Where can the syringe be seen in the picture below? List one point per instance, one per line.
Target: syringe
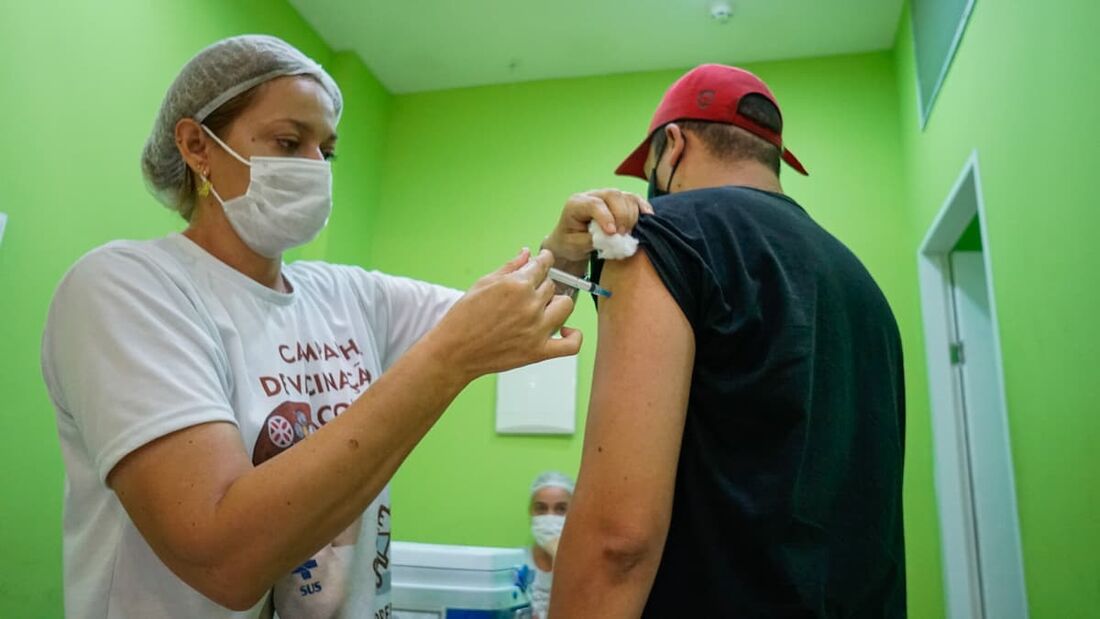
(579, 283)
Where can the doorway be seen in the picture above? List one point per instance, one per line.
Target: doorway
(975, 484)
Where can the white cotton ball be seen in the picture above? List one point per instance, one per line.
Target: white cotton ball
(611, 246)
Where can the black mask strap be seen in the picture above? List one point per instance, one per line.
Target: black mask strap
(654, 191)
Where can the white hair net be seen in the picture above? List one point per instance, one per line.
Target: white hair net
(552, 479)
(210, 79)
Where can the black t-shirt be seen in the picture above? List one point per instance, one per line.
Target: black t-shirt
(788, 492)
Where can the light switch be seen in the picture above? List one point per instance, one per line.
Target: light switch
(3, 221)
(538, 399)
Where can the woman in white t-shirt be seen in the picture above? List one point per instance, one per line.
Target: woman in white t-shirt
(551, 493)
(187, 372)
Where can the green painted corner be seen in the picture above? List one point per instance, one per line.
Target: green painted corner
(971, 239)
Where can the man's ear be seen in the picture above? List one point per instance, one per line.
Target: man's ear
(193, 145)
(675, 147)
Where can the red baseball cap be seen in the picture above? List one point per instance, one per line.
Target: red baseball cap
(709, 92)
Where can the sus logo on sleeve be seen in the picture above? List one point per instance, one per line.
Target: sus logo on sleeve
(289, 423)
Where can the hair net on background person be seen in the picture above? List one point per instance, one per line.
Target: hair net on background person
(210, 79)
(552, 479)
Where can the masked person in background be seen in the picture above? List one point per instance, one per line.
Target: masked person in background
(551, 493)
(230, 423)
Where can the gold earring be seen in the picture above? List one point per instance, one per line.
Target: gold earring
(204, 187)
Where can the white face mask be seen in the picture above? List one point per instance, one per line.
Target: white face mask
(287, 203)
(546, 528)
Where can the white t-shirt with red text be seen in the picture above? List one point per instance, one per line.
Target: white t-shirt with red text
(147, 338)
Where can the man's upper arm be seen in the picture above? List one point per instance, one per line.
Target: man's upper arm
(638, 406)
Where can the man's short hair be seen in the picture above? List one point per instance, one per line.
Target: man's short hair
(731, 143)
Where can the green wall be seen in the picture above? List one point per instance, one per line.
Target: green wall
(472, 174)
(1022, 91)
(81, 84)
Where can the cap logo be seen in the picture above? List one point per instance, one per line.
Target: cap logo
(705, 98)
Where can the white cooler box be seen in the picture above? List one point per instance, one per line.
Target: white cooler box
(433, 581)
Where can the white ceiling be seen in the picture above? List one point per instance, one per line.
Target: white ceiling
(418, 45)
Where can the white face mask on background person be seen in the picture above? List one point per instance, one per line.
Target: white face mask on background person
(287, 204)
(546, 529)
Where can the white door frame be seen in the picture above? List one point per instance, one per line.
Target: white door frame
(952, 456)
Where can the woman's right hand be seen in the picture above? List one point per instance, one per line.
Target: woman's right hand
(507, 320)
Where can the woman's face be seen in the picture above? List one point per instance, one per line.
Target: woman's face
(288, 117)
(550, 501)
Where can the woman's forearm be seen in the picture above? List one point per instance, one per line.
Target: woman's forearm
(276, 515)
(230, 529)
